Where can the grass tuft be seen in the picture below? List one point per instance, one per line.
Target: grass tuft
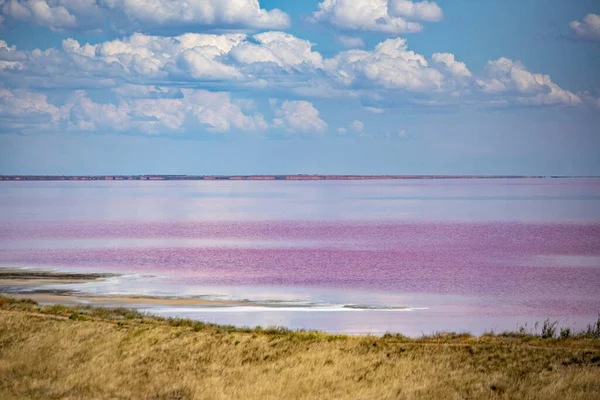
(565, 333)
(549, 329)
(593, 330)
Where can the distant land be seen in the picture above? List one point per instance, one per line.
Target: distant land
(262, 177)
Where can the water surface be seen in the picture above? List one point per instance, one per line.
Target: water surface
(408, 256)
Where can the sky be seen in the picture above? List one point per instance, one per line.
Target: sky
(300, 87)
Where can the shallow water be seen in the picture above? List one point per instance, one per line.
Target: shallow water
(464, 255)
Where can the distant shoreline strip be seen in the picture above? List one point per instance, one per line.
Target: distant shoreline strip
(268, 177)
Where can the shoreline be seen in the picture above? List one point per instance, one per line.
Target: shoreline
(30, 284)
(21, 284)
(121, 301)
(92, 312)
(299, 177)
(65, 287)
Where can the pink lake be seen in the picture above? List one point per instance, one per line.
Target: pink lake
(462, 255)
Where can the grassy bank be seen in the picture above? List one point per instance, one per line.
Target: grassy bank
(58, 352)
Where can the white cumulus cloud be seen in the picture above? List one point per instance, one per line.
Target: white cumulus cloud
(25, 106)
(148, 15)
(137, 110)
(512, 80)
(279, 64)
(357, 126)
(7, 58)
(456, 68)
(283, 49)
(147, 59)
(379, 16)
(57, 15)
(83, 114)
(391, 65)
(416, 11)
(219, 113)
(243, 13)
(299, 117)
(589, 29)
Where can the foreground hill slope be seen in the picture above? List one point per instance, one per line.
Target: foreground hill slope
(56, 352)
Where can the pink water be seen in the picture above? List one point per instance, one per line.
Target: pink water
(462, 255)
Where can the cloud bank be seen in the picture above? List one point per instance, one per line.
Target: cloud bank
(280, 63)
(145, 15)
(163, 83)
(151, 110)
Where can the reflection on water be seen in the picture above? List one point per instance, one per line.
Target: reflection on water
(453, 254)
(541, 200)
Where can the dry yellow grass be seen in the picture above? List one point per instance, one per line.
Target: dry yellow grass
(120, 355)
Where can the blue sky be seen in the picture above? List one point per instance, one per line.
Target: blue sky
(333, 86)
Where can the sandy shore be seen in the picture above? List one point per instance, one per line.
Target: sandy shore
(14, 279)
(121, 300)
(32, 284)
(31, 277)
(37, 285)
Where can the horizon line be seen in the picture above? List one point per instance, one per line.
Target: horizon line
(155, 177)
